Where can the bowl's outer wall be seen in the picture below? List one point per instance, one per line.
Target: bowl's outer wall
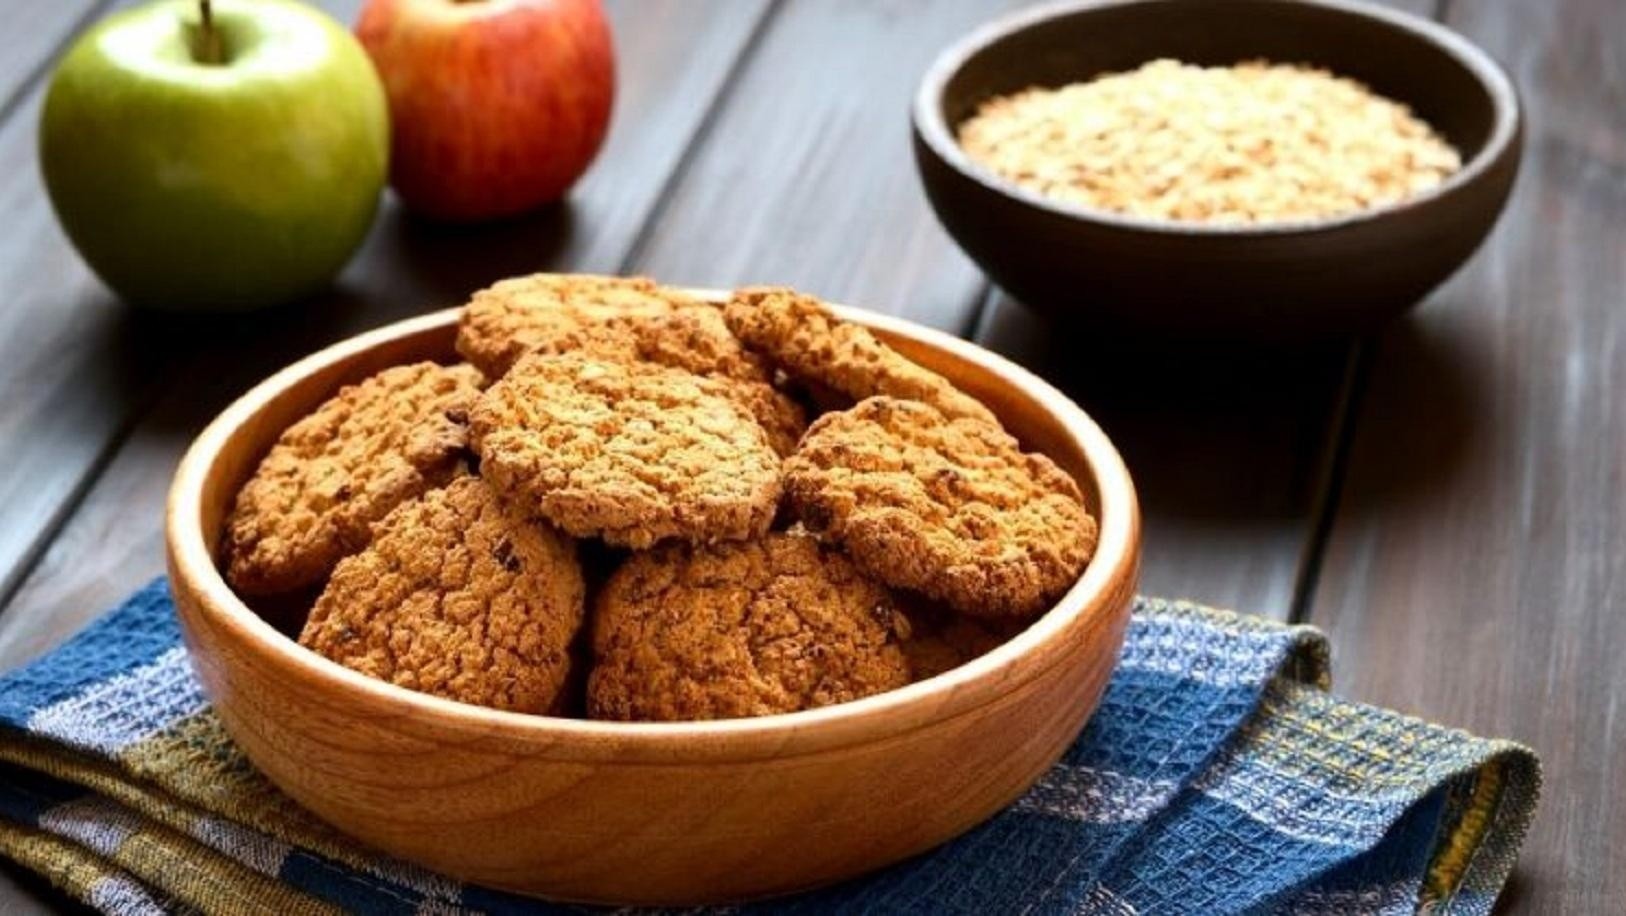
(1333, 279)
(510, 809)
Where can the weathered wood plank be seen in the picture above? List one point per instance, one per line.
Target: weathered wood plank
(1476, 567)
(806, 177)
(35, 31)
(74, 365)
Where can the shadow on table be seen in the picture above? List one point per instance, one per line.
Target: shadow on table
(1420, 422)
(170, 373)
(1514, 895)
(1215, 431)
(1208, 431)
(123, 358)
(440, 264)
(211, 359)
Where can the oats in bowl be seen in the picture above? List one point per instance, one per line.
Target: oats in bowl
(1251, 143)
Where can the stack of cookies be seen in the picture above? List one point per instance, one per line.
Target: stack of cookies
(622, 458)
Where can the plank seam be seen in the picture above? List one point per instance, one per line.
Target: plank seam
(982, 307)
(1329, 483)
(12, 582)
(26, 87)
(697, 137)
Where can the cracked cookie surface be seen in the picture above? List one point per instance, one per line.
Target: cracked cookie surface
(629, 318)
(800, 333)
(774, 625)
(557, 313)
(630, 452)
(459, 596)
(315, 496)
(698, 341)
(950, 508)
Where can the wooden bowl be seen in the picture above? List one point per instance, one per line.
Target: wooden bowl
(1278, 281)
(650, 813)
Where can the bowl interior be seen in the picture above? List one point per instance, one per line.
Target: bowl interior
(1026, 414)
(1044, 419)
(1397, 56)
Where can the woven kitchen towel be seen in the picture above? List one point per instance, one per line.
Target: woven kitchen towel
(1218, 776)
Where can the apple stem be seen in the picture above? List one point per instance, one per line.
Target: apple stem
(208, 50)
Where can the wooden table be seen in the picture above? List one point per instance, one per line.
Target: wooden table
(1447, 498)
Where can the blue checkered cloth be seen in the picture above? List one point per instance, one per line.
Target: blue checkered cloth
(1218, 776)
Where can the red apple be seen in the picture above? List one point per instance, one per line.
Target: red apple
(496, 106)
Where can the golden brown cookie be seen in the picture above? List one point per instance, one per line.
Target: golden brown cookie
(801, 334)
(749, 628)
(777, 413)
(330, 476)
(631, 452)
(459, 596)
(697, 340)
(953, 509)
(629, 318)
(557, 313)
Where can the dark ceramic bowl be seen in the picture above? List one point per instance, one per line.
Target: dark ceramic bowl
(1278, 280)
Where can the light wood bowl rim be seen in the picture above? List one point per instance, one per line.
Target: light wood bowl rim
(776, 737)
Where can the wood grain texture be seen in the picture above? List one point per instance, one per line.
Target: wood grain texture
(671, 813)
(674, 57)
(35, 31)
(805, 177)
(74, 364)
(1477, 568)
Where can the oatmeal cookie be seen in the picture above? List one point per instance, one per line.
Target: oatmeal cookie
(630, 318)
(331, 475)
(633, 453)
(557, 313)
(801, 334)
(741, 629)
(459, 596)
(953, 509)
(697, 340)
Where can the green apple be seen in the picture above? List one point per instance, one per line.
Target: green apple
(223, 158)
